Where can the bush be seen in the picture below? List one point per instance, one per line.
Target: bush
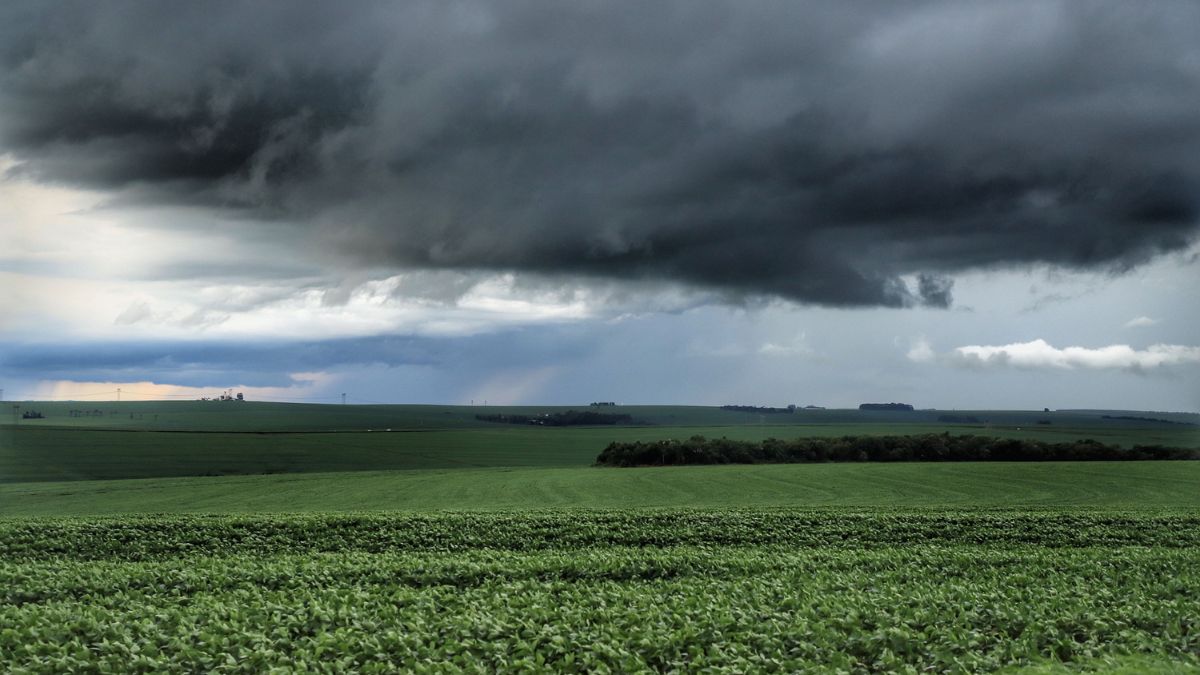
(916, 448)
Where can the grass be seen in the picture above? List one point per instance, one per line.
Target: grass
(51, 453)
(1061, 485)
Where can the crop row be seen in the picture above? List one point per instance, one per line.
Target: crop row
(149, 537)
(914, 608)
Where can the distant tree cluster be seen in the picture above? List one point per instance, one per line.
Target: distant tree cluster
(569, 418)
(1157, 420)
(917, 448)
(603, 404)
(885, 406)
(32, 415)
(759, 409)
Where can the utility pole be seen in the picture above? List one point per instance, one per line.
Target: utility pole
(15, 409)
(343, 398)
(118, 394)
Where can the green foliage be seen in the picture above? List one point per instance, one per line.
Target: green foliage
(740, 591)
(1117, 664)
(915, 448)
(152, 537)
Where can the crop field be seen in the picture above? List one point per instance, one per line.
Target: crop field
(312, 538)
(601, 591)
(90, 454)
(152, 440)
(1050, 485)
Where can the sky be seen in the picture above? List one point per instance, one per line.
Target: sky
(954, 205)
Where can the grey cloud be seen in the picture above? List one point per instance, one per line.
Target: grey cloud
(436, 287)
(935, 290)
(820, 152)
(228, 270)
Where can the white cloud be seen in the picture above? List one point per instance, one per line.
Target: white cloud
(921, 351)
(1039, 354)
(796, 347)
(1140, 322)
(138, 310)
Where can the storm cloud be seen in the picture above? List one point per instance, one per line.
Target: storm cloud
(819, 152)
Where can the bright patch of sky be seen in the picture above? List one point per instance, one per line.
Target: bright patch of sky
(103, 277)
(77, 273)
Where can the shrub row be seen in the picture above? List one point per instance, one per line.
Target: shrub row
(916, 448)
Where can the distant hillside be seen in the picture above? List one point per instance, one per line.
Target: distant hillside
(570, 418)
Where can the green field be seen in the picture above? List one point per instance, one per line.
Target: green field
(998, 485)
(258, 416)
(193, 438)
(602, 591)
(180, 537)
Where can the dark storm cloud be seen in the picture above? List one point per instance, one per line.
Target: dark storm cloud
(820, 152)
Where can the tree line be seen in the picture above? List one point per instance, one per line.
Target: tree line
(917, 448)
(759, 409)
